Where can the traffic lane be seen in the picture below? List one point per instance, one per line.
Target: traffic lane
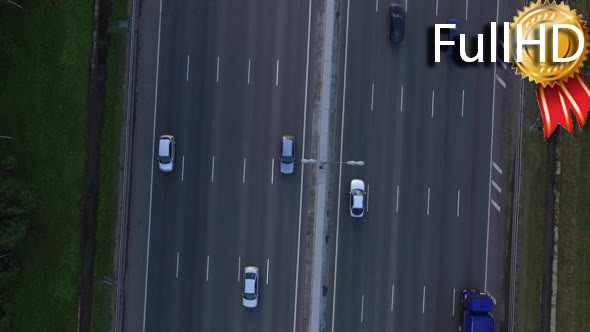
(508, 109)
(280, 90)
(476, 261)
(142, 156)
(247, 167)
(347, 294)
(502, 191)
(197, 130)
(166, 198)
(356, 105)
(219, 236)
(172, 115)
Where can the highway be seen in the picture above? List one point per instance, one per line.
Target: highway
(438, 141)
(227, 78)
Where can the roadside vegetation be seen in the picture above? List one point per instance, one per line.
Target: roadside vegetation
(573, 288)
(45, 51)
(573, 185)
(43, 105)
(109, 166)
(531, 223)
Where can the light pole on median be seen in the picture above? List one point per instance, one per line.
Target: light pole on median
(322, 163)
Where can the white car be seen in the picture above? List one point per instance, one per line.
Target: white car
(357, 198)
(250, 294)
(166, 147)
(287, 157)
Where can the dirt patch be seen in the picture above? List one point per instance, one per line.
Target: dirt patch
(96, 105)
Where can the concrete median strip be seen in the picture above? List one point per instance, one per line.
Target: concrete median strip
(321, 150)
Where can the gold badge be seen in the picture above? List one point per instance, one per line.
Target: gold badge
(550, 14)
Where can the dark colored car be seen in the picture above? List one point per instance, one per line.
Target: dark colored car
(287, 157)
(398, 22)
(454, 35)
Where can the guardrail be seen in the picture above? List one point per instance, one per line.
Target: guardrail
(126, 176)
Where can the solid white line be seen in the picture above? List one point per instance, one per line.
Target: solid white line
(428, 203)
(397, 199)
(267, 268)
(466, 8)
(436, 8)
(147, 255)
(244, 172)
(392, 295)
(401, 101)
(368, 192)
(496, 186)
(177, 263)
(462, 101)
(501, 81)
(458, 201)
(239, 267)
(362, 306)
(182, 173)
(432, 106)
(453, 302)
(188, 65)
(207, 275)
(340, 165)
(485, 283)
(372, 94)
(277, 78)
(496, 167)
(212, 168)
(217, 69)
(272, 171)
(302, 169)
(423, 298)
(496, 206)
(248, 71)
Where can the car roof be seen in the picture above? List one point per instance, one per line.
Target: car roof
(164, 146)
(357, 201)
(250, 286)
(287, 146)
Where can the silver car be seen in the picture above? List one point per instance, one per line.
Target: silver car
(357, 198)
(166, 147)
(287, 157)
(250, 294)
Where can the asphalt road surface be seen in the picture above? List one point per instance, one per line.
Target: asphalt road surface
(227, 78)
(438, 141)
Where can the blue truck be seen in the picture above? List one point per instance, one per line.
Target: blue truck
(477, 312)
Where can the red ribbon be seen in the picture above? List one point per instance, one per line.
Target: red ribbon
(556, 102)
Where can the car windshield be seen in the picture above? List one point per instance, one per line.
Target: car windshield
(165, 159)
(287, 159)
(357, 211)
(248, 296)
